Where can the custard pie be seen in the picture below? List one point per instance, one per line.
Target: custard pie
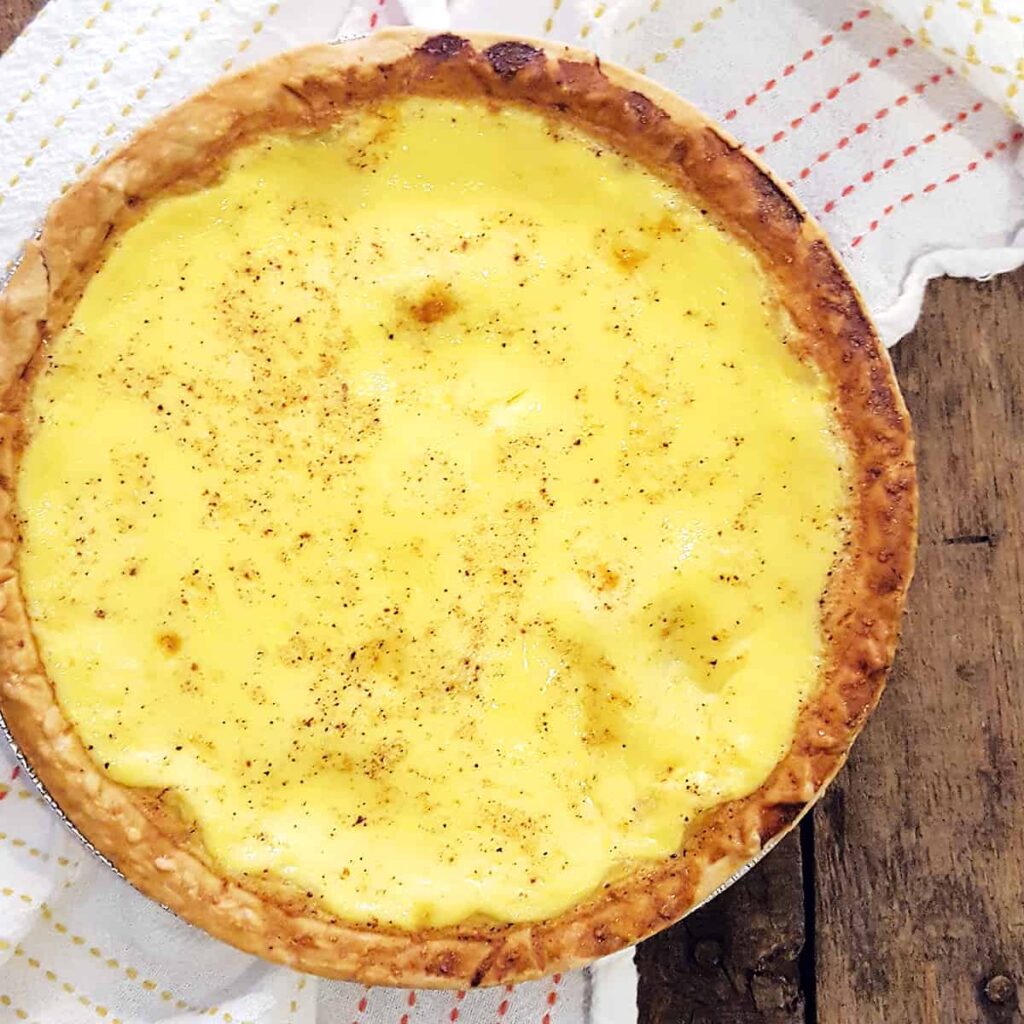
(457, 512)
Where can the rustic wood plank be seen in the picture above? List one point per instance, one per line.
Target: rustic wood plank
(14, 16)
(736, 961)
(920, 843)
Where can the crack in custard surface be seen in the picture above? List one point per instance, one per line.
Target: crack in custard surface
(435, 507)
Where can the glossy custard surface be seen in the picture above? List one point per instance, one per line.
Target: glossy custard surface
(434, 506)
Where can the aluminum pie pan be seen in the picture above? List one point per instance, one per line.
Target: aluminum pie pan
(44, 793)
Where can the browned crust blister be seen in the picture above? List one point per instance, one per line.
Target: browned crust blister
(308, 89)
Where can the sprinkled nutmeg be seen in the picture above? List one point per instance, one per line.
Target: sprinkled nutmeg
(453, 535)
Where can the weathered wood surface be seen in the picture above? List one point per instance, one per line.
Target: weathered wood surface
(920, 844)
(914, 862)
(739, 959)
(14, 16)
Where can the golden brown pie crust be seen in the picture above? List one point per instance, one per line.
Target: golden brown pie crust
(303, 91)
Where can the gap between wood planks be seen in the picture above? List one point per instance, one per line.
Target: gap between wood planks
(807, 962)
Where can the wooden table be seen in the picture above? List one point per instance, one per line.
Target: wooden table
(901, 899)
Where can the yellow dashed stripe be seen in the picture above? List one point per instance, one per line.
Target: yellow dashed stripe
(73, 43)
(246, 42)
(696, 27)
(14, 894)
(549, 22)
(131, 973)
(22, 844)
(18, 791)
(19, 1014)
(94, 82)
(969, 57)
(105, 69)
(293, 1006)
(988, 9)
(65, 986)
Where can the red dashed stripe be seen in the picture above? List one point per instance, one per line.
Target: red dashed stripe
(552, 998)
(891, 52)
(998, 147)
(908, 151)
(504, 1004)
(788, 70)
(459, 996)
(411, 1000)
(361, 1007)
(879, 115)
(375, 17)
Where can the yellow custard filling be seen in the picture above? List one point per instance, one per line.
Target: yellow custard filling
(435, 507)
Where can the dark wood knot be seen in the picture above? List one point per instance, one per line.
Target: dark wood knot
(1000, 989)
(707, 952)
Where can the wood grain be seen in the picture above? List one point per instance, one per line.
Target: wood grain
(14, 16)
(920, 844)
(736, 961)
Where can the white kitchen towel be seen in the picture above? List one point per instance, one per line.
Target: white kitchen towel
(911, 171)
(982, 39)
(79, 946)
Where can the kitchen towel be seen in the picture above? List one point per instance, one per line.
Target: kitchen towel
(982, 39)
(911, 171)
(78, 945)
